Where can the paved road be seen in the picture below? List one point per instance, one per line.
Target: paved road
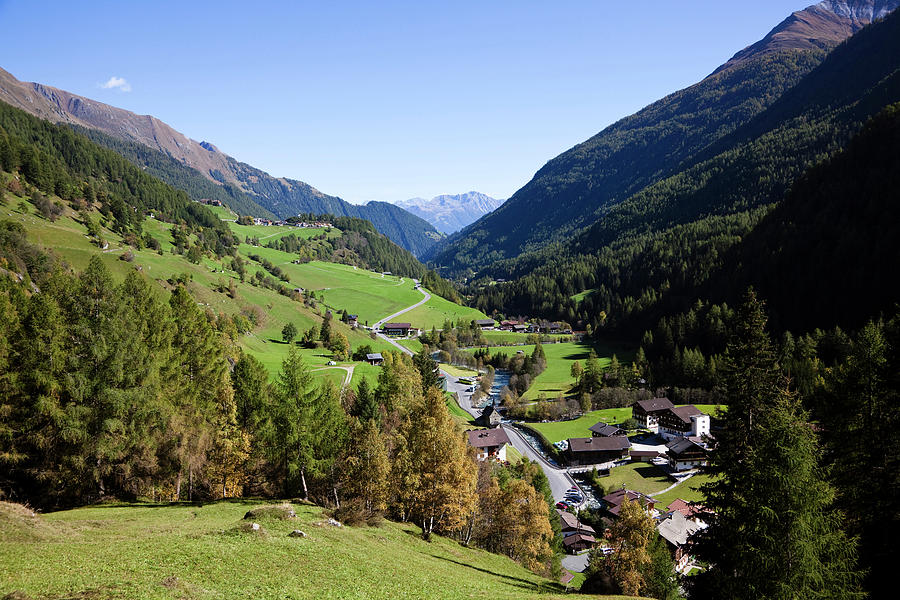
(576, 563)
(560, 480)
(407, 309)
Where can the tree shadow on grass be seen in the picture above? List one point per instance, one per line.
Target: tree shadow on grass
(516, 581)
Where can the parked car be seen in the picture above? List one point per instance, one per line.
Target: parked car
(562, 505)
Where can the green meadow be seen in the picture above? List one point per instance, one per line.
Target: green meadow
(169, 551)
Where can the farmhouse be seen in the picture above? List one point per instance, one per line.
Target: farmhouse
(570, 525)
(352, 320)
(489, 417)
(615, 499)
(601, 429)
(375, 359)
(489, 443)
(520, 328)
(596, 450)
(690, 511)
(579, 542)
(401, 329)
(646, 412)
(683, 421)
(643, 455)
(684, 454)
(676, 529)
(486, 323)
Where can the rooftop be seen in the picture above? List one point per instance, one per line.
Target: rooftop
(488, 438)
(396, 326)
(654, 404)
(686, 412)
(602, 444)
(605, 430)
(376, 356)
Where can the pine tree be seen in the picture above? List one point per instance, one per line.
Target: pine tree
(660, 578)
(289, 435)
(366, 407)
(288, 333)
(427, 368)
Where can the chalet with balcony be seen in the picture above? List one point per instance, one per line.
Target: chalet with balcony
(647, 412)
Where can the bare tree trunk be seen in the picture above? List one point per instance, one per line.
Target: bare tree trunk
(191, 485)
(337, 500)
(303, 480)
(178, 487)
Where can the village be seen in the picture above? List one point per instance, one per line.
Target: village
(673, 440)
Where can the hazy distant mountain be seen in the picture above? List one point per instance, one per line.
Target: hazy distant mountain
(449, 213)
(245, 185)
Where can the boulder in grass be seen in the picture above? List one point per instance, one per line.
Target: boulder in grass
(297, 533)
(273, 511)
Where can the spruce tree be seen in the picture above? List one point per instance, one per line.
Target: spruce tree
(772, 530)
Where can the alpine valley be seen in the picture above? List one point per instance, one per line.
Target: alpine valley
(667, 367)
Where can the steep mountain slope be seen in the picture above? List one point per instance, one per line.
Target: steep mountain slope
(279, 196)
(829, 240)
(579, 186)
(823, 25)
(654, 253)
(450, 213)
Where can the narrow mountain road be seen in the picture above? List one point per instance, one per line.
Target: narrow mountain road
(405, 310)
(347, 377)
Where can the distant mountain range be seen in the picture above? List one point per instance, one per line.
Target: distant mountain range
(243, 187)
(578, 188)
(450, 213)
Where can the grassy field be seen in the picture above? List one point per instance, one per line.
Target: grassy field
(412, 344)
(640, 477)
(580, 427)
(66, 237)
(580, 295)
(689, 491)
(556, 378)
(562, 430)
(208, 551)
(500, 338)
(437, 310)
(458, 371)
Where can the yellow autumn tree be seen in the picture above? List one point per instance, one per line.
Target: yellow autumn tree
(629, 539)
(367, 470)
(433, 466)
(514, 520)
(230, 449)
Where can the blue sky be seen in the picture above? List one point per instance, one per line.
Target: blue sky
(386, 100)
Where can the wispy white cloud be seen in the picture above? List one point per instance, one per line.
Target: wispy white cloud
(117, 83)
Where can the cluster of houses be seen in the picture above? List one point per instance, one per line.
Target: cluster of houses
(303, 224)
(685, 428)
(520, 326)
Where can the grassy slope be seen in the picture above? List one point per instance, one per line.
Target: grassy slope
(354, 289)
(640, 477)
(688, 491)
(195, 551)
(561, 430)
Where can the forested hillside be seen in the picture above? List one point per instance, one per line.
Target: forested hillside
(178, 175)
(574, 189)
(651, 254)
